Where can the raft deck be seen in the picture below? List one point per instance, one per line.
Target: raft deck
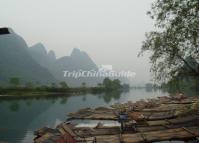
(162, 119)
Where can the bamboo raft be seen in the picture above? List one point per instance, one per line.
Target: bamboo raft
(162, 119)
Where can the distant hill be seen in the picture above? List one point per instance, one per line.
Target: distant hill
(15, 60)
(36, 64)
(78, 60)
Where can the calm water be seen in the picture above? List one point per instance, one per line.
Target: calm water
(19, 118)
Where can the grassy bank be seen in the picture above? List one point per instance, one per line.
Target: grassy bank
(45, 91)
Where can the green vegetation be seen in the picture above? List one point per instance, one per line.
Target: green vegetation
(63, 84)
(29, 89)
(115, 84)
(14, 81)
(186, 85)
(83, 84)
(29, 85)
(175, 43)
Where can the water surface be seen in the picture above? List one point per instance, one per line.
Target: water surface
(19, 118)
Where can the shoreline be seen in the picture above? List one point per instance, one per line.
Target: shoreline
(19, 92)
(173, 117)
(23, 94)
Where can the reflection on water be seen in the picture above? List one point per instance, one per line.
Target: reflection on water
(19, 118)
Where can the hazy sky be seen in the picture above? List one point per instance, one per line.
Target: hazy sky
(110, 31)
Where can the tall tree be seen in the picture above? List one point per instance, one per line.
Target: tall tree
(107, 83)
(176, 38)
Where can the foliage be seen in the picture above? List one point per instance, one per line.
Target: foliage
(83, 84)
(176, 38)
(116, 84)
(111, 84)
(53, 85)
(63, 84)
(15, 81)
(29, 85)
(99, 85)
(125, 86)
(45, 90)
(107, 83)
(186, 85)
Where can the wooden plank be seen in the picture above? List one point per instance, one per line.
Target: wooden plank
(178, 102)
(189, 131)
(97, 132)
(101, 113)
(170, 134)
(194, 130)
(96, 116)
(150, 128)
(160, 117)
(108, 139)
(157, 123)
(183, 119)
(155, 110)
(133, 138)
(179, 120)
(43, 138)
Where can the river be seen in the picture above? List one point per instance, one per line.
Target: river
(19, 118)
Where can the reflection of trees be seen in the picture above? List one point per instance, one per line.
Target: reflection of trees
(16, 119)
(63, 100)
(53, 100)
(14, 107)
(183, 84)
(149, 89)
(108, 96)
(84, 97)
(29, 102)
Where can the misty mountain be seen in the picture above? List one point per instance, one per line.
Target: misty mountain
(15, 60)
(39, 54)
(36, 64)
(77, 60)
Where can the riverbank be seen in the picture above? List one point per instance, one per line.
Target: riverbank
(164, 118)
(47, 91)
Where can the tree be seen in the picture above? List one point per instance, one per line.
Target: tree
(53, 85)
(111, 84)
(29, 85)
(176, 38)
(116, 84)
(63, 84)
(83, 84)
(15, 81)
(125, 86)
(99, 85)
(107, 83)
